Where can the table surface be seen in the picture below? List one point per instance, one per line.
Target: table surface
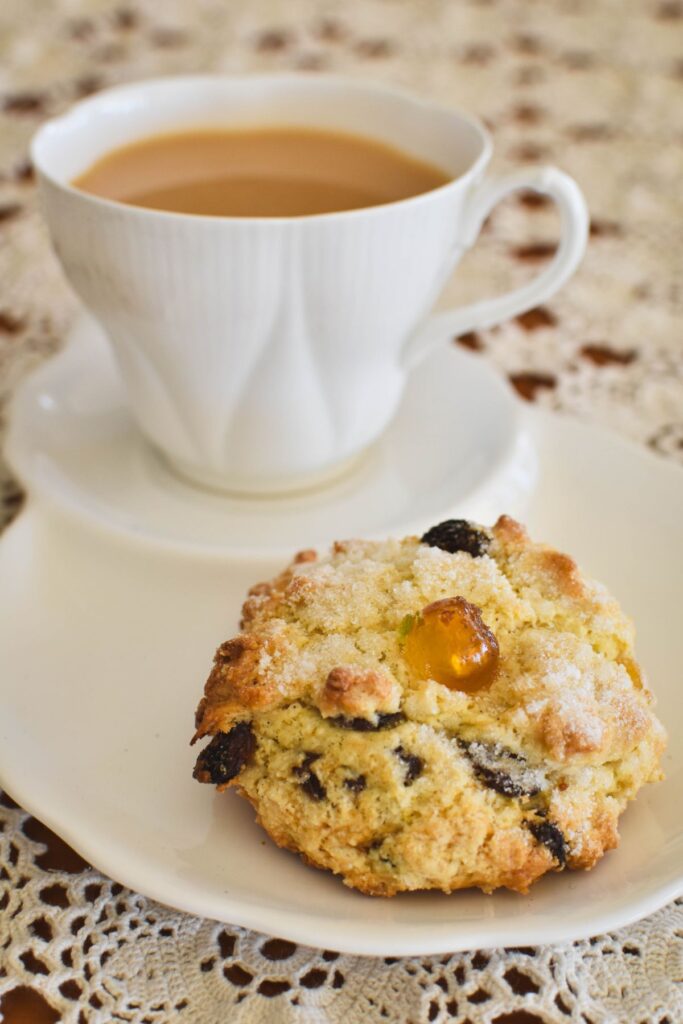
(595, 86)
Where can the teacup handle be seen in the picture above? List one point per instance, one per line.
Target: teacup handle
(548, 181)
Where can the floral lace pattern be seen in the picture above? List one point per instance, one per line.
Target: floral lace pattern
(99, 952)
(595, 86)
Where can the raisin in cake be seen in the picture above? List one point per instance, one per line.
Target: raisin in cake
(459, 710)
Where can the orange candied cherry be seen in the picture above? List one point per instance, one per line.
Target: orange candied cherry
(449, 642)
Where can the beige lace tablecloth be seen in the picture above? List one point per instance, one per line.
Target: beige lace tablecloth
(593, 85)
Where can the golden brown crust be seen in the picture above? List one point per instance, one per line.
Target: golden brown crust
(234, 686)
(264, 596)
(564, 736)
(308, 555)
(562, 571)
(509, 531)
(299, 590)
(369, 768)
(350, 691)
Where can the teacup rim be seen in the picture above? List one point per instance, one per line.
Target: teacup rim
(54, 124)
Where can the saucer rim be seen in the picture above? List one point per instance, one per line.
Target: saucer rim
(64, 498)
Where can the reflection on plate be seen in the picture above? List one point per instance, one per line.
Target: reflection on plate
(104, 646)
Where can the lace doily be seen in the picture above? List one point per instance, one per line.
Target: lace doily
(595, 86)
(95, 949)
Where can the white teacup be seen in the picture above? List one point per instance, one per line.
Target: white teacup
(262, 354)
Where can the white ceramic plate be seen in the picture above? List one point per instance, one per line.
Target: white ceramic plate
(456, 442)
(104, 647)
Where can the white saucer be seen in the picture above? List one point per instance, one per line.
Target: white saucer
(457, 445)
(104, 648)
